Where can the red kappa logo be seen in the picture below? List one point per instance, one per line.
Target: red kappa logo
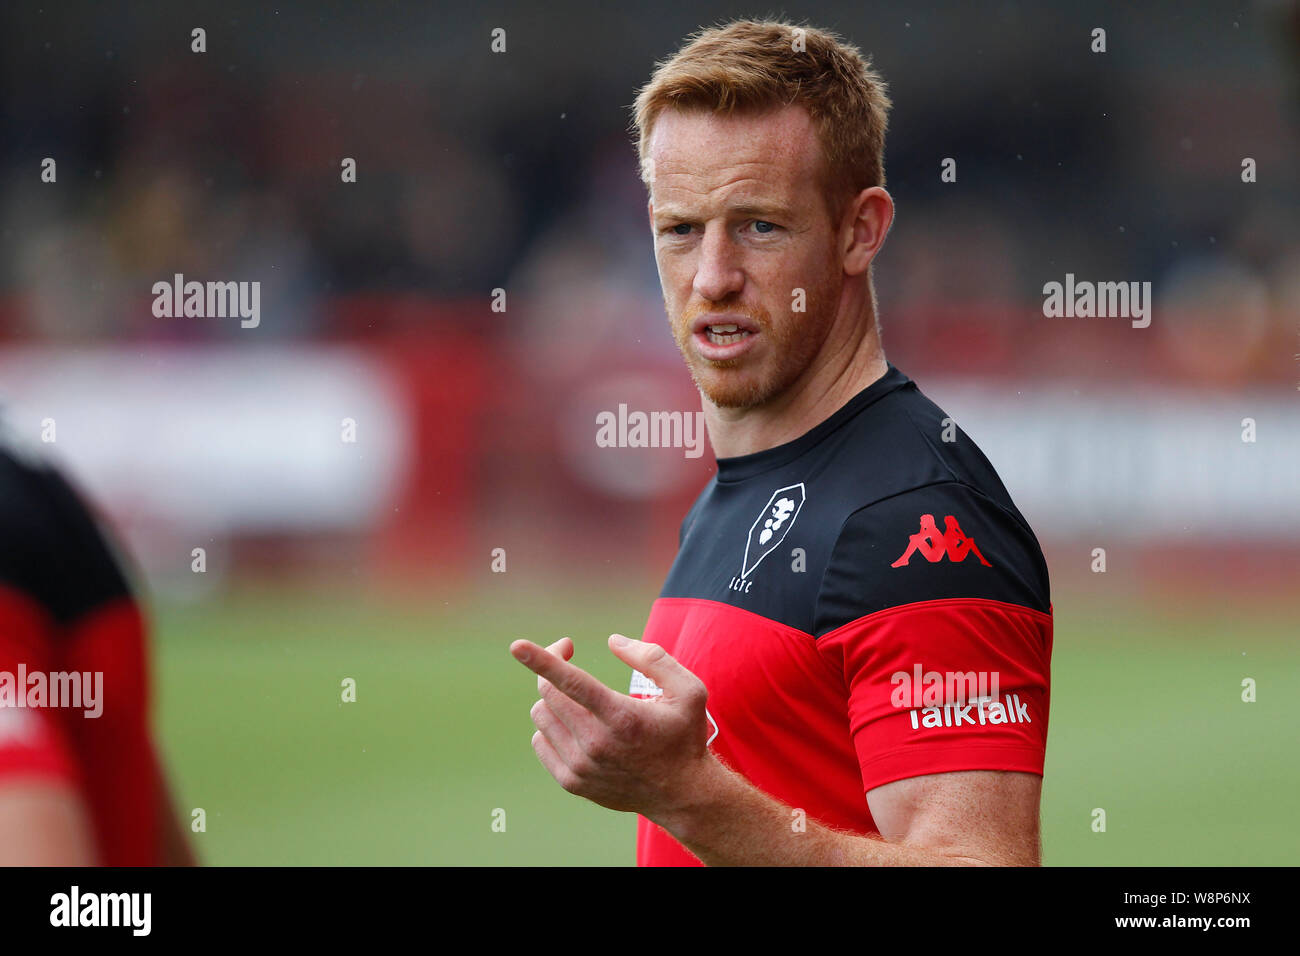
(933, 545)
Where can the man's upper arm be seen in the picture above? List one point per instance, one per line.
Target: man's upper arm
(65, 607)
(44, 822)
(934, 607)
(43, 818)
(977, 816)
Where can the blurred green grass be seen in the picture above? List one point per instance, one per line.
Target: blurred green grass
(1147, 723)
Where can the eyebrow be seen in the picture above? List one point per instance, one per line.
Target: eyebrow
(753, 207)
(762, 207)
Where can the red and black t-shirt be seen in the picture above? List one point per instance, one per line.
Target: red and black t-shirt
(864, 604)
(66, 609)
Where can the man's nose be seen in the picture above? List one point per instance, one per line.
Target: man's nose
(718, 273)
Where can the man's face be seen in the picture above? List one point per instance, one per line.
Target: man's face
(740, 224)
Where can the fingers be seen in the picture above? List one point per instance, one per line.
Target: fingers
(563, 648)
(559, 736)
(658, 665)
(575, 717)
(573, 682)
(556, 767)
(563, 708)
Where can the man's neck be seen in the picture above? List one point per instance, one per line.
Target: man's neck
(799, 409)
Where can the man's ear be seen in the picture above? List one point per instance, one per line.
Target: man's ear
(868, 219)
(650, 213)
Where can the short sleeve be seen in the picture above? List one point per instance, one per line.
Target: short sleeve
(32, 744)
(935, 609)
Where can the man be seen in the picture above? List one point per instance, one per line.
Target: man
(79, 785)
(848, 663)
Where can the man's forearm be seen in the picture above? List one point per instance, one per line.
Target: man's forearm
(729, 822)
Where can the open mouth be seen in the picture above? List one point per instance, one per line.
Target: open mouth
(728, 334)
(724, 337)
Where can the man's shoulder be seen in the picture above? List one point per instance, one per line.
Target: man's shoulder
(943, 541)
(56, 554)
(904, 443)
(922, 515)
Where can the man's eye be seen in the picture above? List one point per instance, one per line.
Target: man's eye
(682, 229)
(761, 223)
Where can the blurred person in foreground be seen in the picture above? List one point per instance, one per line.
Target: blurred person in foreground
(80, 782)
(849, 660)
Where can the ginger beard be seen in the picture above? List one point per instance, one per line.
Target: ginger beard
(784, 352)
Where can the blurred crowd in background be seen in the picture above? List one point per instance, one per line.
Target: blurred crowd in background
(515, 170)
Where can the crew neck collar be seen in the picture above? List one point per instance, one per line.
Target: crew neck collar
(741, 467)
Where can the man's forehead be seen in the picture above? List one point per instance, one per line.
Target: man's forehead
(698, 150)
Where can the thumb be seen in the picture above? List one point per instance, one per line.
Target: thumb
(657, 664)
